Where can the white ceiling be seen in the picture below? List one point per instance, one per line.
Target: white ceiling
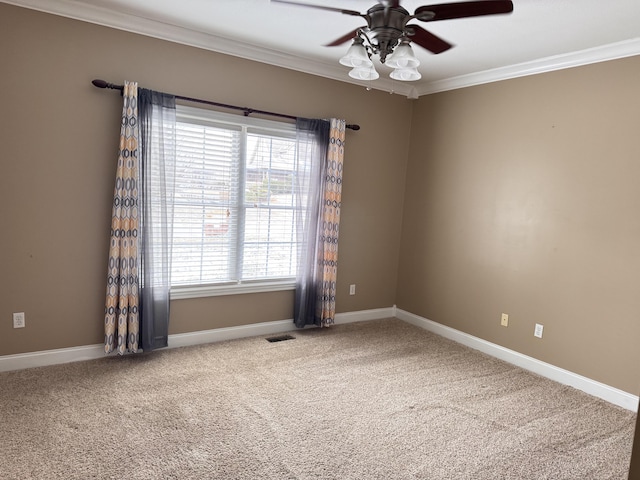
(540, 35)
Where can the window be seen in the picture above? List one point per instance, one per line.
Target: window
(235, 202)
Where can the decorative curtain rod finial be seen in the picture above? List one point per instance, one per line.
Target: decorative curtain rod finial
(99, 83)
(102, 84)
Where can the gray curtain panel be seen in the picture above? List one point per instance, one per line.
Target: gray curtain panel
(312, 144)
(157, 176)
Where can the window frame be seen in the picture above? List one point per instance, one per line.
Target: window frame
(199, 115)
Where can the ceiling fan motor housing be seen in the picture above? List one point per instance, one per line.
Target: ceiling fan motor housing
(385, 28)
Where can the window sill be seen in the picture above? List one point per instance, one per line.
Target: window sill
(180, 293)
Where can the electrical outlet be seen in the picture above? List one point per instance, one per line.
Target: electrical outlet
(538, 331)
(18, 320)
(504, 320)
(352, 289)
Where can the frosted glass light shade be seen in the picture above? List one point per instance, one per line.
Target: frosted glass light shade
(356, 57)
(364, 73)
(405, 74)
(403, 57)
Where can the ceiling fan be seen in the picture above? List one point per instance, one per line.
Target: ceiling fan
(388, 27)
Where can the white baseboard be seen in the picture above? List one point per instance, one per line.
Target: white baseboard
(50, 357)
(90, 352)
(230, 333)
(364, 315)
(592, 387)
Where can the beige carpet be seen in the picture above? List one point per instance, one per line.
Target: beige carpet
(375, 400)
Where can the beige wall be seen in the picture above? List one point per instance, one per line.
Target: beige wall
(523, 197)
(59, 138)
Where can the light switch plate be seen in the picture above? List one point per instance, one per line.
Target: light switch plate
(538, 330)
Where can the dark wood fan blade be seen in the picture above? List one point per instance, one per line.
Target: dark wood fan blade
(345, 38)
(320, 7)
(428, 40)
(448, 11)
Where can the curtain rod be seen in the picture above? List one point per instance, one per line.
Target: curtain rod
(247, 111)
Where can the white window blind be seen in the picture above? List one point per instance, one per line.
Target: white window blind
(235, 204)
(269, 223)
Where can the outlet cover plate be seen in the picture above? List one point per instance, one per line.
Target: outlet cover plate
(504, 320)
(18, 320)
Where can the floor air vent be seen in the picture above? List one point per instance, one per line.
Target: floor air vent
(280, 338)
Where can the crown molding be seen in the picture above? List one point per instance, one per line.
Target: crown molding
(173, 33)
(613, 51)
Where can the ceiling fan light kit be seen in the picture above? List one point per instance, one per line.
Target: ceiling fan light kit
(402, 60)
(406, 74)
(389, 34)
(356, 56)
(364, 73)
(403, 56)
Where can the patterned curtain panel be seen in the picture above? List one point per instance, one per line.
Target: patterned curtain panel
(121, 323)
(321, 157)
(332, 201)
